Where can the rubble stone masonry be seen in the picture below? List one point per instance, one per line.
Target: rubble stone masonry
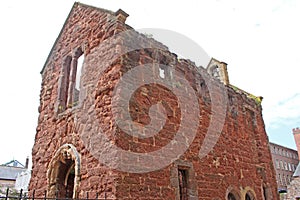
(239, 164)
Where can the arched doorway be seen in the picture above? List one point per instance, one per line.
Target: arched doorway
(232, 194)
(64, 173)
(248, 193)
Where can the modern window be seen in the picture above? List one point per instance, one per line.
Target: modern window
(290, 167)
(293, 167)
(281, 165)
(277, 164)
(279, 179)
(285, 166)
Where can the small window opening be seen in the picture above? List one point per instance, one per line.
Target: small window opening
(183, 181)
(216, 72)
(161, 73)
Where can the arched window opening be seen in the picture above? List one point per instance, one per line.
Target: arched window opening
(64, 173)
(249, 196)
(231, 196)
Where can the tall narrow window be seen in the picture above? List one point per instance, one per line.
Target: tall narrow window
(293, 167)
(290, 167)
(183, 181)
(281, 164)
(68, 91)
(285, 166)
(280, 180)
(64, 84)
(77, 80)
(267, 191)
(277, 164)
(73, 94)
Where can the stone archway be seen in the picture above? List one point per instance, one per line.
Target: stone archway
(249, 193)
(232, 194)
(249, 196)
(64, 173)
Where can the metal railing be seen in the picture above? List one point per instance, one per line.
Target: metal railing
(21, 195)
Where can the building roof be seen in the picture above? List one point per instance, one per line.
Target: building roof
(278, 145)
(14, 163)
(297, 171)
(10, 173)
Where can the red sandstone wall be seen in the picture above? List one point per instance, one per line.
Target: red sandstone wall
(240, 160)
(86, 27)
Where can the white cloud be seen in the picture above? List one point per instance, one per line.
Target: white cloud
(285, 113)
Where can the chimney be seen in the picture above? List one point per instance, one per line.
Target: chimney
(296, 132)
(121, 15)
(27, 162)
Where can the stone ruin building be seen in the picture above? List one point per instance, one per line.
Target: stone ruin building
(227, 158)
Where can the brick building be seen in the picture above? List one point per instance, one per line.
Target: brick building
(285, 162)
(228, 157)
(10, 171)
(293, 188)
(296, 133)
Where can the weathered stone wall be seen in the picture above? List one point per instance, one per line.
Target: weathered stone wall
(240, 162)
(85, 28)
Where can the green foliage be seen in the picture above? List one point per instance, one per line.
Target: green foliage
(257, 99)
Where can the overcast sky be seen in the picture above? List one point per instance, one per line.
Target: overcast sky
(259, 39)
